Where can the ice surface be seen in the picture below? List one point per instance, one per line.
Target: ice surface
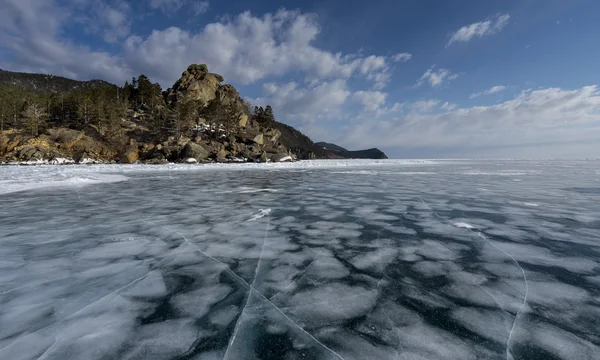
(341, 260)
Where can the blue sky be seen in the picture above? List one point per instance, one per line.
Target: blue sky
(439, 79)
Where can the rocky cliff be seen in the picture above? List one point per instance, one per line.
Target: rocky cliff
(198, 119)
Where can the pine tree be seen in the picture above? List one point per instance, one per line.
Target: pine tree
(268, 116)
(183, 117)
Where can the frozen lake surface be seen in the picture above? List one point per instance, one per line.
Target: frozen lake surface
(313, 260)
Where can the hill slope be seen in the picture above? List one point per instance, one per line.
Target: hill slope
(46, 83)
(100, 120)
(373, 153)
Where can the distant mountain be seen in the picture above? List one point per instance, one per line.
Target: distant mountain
(373, 153)
(302, 145)
(47, 83)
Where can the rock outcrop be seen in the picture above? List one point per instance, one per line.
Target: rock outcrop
(219, 127)
(196, 83)
(195, 151)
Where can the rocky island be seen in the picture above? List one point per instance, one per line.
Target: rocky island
(50, 119)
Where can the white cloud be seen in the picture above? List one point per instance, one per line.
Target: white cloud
(401, 57)
(110, 21)
(200, 7)
(370, 100)
(167, 6)
(248, 48)
(480, 29)
(171, 6)
(436, 77)
(30, 32)
(448, 106)
(424, 106)
(244, 49)
(305, 105)
(537, 123)
(490, 91)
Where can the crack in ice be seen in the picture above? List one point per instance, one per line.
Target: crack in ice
(239, 320)
(264, 298)
(470, 228)
(80, 310)
(383, 309)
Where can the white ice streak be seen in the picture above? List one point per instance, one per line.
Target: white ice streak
(261, 214)
(463, 225)
(261, 296)
(256, 269)
(470, 228)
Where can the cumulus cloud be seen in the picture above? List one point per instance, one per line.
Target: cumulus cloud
(401, 57)
(370, 100)
(248, 48)
(30, 31)
(490, 91)
(110, 21)
(536, 123)
(480, 29)
(322, 101)
(436, 77)
(244, 49)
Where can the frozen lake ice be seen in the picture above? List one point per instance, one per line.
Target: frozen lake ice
(311, 260)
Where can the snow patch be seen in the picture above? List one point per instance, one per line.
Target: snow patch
(464, 225)
(261, 214)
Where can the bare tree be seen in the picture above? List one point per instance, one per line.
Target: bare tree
(84, 110)
(33, 117)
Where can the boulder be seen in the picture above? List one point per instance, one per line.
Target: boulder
(12, 144)
(281, 157)
(223, 154)
(193, 150)
(4, 140)
(273, 135)
(263, 157)
(243, 122)
(66, 137)
(130, 156)
(182, 141)
(259, 139)
(32, 152)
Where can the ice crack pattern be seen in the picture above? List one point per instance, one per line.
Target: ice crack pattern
(452, 262)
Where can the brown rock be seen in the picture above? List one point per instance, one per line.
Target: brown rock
(193, 150)
(130, 156)
(273, 135)
(243, 120)
(259, 139)
(196, 83)
(66, 137)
